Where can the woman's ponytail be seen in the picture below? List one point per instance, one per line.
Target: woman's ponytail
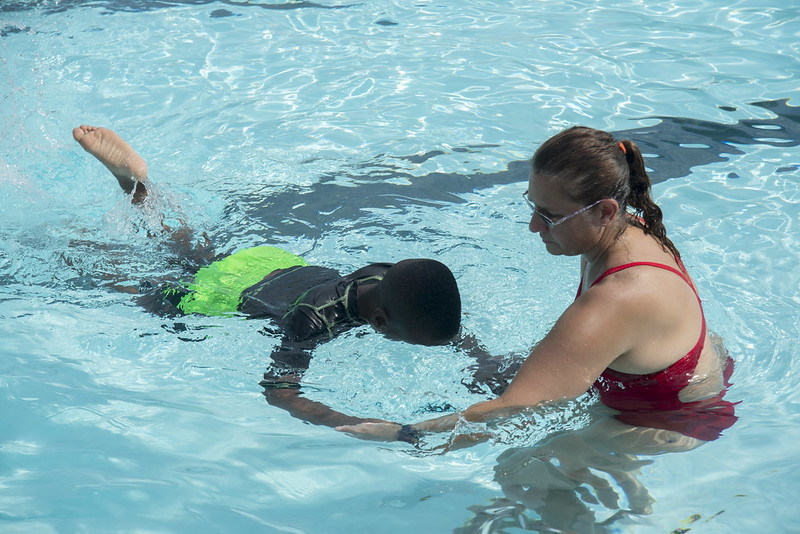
(639, 197)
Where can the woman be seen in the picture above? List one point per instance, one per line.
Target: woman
(636, 329)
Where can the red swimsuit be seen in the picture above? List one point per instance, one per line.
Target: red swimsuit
(653, 399)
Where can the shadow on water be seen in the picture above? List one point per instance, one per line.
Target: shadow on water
(676, 145)
(673, 147)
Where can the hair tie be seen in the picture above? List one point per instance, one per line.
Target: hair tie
(623, 148)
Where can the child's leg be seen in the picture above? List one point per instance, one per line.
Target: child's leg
(112, 151)
(130, 170)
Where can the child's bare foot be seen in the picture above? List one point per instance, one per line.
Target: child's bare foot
(112, 151)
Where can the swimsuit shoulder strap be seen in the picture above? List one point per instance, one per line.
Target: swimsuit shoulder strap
(618, 268)
(682, 273)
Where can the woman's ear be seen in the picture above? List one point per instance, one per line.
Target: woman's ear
(608, 210)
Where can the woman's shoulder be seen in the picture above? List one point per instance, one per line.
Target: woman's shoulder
(647, 280)
(642, 281)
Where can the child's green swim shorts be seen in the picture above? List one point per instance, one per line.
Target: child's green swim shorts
(217, 288)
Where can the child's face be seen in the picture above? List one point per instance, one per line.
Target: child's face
(398, 331)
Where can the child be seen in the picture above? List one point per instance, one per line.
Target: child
(414, 300)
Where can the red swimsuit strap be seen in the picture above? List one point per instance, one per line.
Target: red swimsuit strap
(624, 266)
(682, 273)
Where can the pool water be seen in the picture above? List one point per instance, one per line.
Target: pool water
(352, 133)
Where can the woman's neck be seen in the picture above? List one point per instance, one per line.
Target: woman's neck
(612, 240)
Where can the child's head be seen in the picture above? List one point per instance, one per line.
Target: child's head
(421, 302)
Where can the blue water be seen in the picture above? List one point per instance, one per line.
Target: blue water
(373, 131)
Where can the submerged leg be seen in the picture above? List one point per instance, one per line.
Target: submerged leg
(112, 151)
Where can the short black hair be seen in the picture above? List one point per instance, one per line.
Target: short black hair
(423, 295)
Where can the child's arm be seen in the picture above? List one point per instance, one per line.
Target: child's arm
(287, 396)
(282, 389)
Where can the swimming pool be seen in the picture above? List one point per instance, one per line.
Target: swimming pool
(372, 131)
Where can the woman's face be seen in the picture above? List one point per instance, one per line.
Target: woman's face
(555, 219)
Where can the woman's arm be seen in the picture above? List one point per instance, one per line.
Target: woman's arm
(586, 339)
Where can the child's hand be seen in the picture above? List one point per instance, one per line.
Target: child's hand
(383, 431)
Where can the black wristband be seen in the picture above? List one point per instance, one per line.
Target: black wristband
(408, 434)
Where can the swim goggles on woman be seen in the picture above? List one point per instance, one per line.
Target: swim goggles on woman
(550, 222)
